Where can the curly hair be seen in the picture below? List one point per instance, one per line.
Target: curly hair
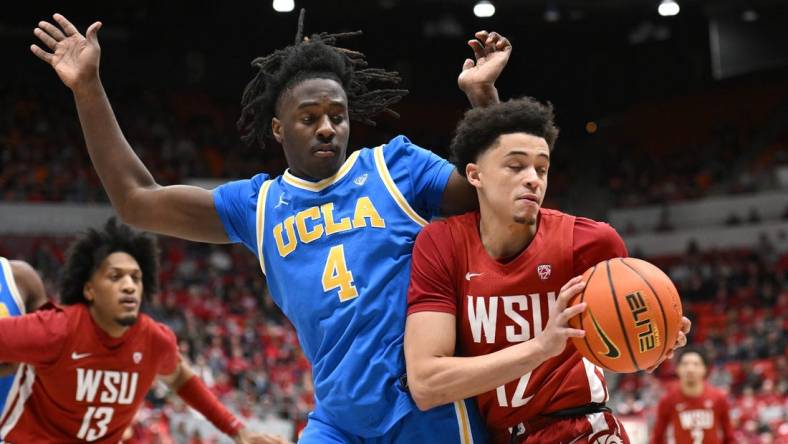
(309, 58)
(480, 127)
(86, 254)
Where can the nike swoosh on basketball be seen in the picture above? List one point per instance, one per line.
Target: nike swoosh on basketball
(612, 350)
(468, 276)
(75, 356)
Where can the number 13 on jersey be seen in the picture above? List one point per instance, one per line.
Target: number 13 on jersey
(336, 274)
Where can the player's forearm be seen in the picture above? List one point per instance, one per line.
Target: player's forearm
(482, 96)
(121, 172)
(440, 380)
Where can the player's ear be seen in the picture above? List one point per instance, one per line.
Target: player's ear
(472, 173)
(276, 129)
(87, 292)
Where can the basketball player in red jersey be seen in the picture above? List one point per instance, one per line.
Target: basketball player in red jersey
(487, 312)
(89, 364)
(697, 412)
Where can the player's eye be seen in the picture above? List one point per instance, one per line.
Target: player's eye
(337, 118)
(307, 119)
(541, 171)
(514, 167)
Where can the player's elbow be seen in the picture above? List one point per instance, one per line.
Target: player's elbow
(423, 392)
(133, 210)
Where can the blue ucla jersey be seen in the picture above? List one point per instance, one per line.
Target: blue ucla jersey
(336, 255)
(11, 304)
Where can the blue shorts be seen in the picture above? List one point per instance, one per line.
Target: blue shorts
(455, 423)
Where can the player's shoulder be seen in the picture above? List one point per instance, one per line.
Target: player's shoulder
(158, 332)
(592, 231)
(715, 393)
(453, 225)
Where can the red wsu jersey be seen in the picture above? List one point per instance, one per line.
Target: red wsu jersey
(79, 384)
(704, 419)
(499, 304)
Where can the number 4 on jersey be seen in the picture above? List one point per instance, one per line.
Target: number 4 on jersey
(336, 274)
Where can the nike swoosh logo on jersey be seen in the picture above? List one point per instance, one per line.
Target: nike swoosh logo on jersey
(75, 356)
(612, 350)
(468, 276)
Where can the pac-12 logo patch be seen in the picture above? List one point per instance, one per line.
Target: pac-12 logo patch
(137, 357)
(544, 270)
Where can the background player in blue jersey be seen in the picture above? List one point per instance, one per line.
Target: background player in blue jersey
(21, 291)
(333, 233)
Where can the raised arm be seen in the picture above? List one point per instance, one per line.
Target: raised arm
(477, 80)
(183, 211)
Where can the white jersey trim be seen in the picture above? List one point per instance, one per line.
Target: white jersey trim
(260, 222)
(383, 170)
(9, 278)
(18, 397)
(595, 384)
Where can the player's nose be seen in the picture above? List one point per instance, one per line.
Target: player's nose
(325, 131)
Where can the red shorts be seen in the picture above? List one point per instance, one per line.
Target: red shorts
(594, 428)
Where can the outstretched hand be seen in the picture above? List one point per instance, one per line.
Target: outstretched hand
(74, 57)
(491, 51)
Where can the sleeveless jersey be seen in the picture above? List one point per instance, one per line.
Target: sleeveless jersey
(336, 255)
(11, 304)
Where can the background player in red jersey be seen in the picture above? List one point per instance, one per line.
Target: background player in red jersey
(697, 412)
(483, 316)
(91, 362)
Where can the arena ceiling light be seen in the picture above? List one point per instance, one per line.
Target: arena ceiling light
(668, 8)
(484, 9)
(283, 5)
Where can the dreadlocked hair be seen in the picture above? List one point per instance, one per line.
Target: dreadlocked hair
(87, 253)
(314, 57)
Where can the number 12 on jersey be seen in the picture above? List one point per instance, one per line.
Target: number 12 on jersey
(336, 274)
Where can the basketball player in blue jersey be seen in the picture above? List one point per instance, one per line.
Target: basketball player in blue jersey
(21, 291)
(333, 234)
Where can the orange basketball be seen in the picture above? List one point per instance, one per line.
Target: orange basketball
(633, 315)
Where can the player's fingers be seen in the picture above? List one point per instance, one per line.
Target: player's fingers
(503, 44)
(68, 28)
(574, 333)
(686, 325)
(41, 54)
(467, 65)
(52, 30)
(571, 282)
(478, 50)
(92, 33)
(492, 40)
(682, 340)
(567, 294)
(45, 38)
(481, 35)
(574, 310)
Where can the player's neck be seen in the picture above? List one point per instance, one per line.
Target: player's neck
(692, 390)
(110, 327)
(502, 237)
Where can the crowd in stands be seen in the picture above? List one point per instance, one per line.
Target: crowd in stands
(192, 135)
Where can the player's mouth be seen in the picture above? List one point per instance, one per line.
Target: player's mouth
(325, 150)
(129, 302)
(532, 199)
